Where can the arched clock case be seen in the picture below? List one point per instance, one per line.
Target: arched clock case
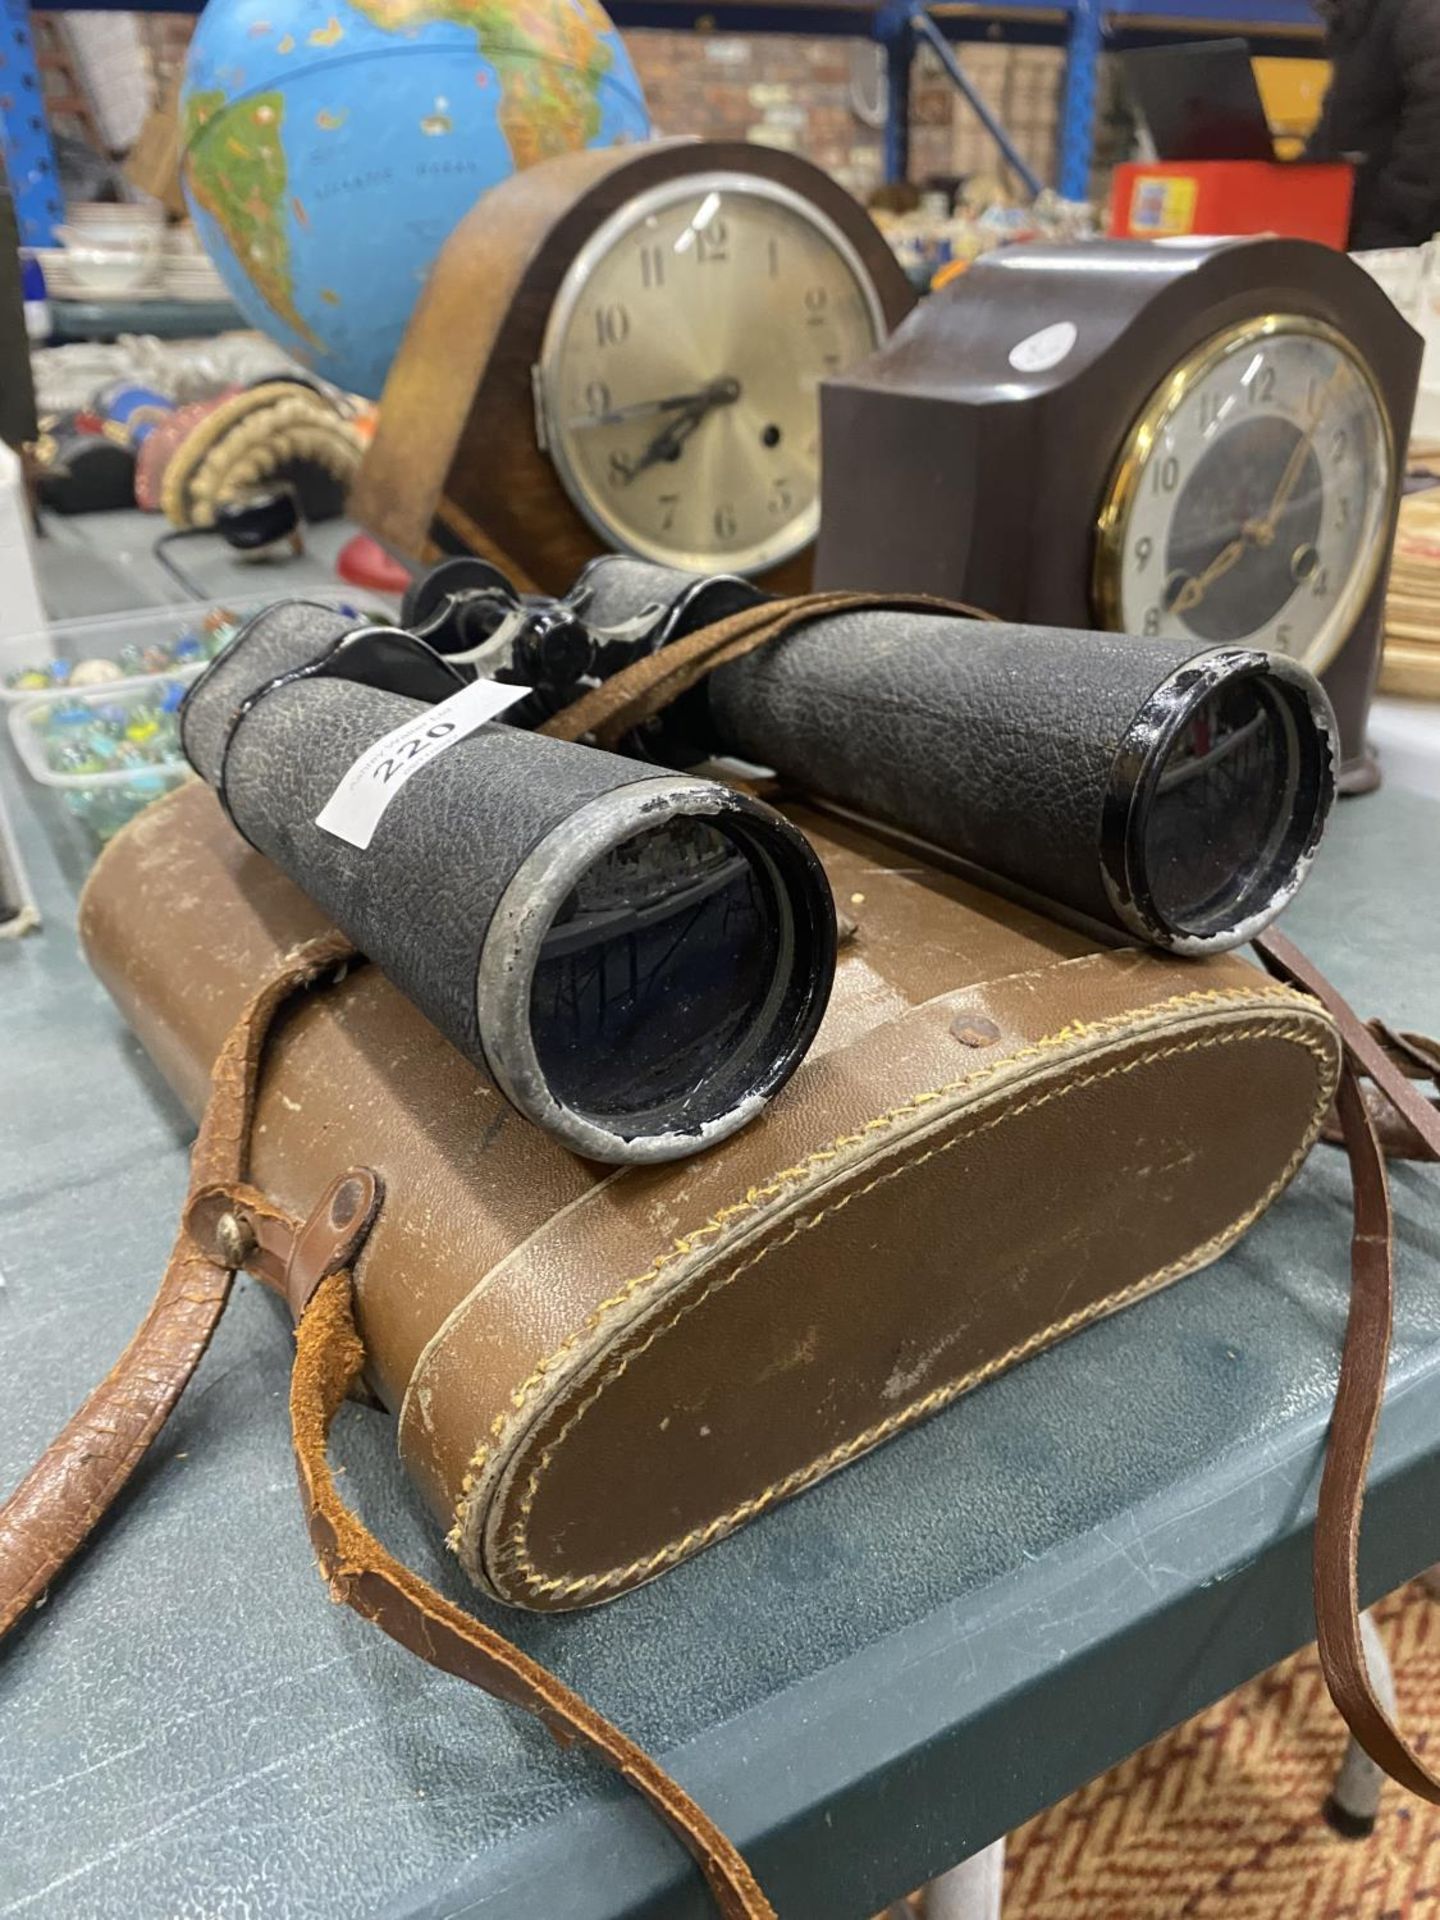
(1203, 440)
(621, 350)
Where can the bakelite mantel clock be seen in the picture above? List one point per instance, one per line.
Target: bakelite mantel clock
(1202, 440)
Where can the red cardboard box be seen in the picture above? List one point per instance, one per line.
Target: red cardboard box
(1301, 202)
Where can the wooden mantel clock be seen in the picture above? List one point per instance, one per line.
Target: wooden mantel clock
(622, 350)
(1203, 440)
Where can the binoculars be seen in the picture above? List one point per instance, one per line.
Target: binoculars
(639, 955)
(637, 958)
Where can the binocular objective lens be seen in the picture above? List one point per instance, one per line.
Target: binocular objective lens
(1222, 824)
(666, 984)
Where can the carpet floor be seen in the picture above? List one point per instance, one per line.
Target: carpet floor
(1222, 1816)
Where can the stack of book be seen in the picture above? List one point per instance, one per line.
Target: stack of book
(1411, 663)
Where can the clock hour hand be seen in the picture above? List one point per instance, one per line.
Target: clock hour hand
(1195, 588)
(670, 441)
(1254, 533)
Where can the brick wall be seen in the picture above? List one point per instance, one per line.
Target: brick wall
(810, 95)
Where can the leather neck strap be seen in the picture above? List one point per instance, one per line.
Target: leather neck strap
(638, 692)
(329, 1358)
(1363, 1362)
(227, 1224)
(63, 1497)
(49, 1516)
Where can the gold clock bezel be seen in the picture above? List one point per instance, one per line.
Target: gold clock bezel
(803, 528)
(1164, 403)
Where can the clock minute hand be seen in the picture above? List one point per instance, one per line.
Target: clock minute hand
(637, 410)
(1258, 533)
(704, 397)
(1263, 531)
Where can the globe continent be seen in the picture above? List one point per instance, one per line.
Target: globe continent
(330, 147)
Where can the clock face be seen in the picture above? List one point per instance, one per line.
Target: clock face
(679, 376)
(1250, 503)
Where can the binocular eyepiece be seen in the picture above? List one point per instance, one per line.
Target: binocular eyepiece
(1216, 799)
(638, 956)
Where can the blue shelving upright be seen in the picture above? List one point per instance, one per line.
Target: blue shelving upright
(25, 144)
(1076, 133)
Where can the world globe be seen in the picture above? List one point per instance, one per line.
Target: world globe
(330, 146)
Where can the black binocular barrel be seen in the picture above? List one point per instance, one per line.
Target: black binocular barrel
(637, 958)
(1172, 792)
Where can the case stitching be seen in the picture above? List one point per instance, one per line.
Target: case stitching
(755, 1196)
(515, 1556)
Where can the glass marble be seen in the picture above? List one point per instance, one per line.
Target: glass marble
(190, 648)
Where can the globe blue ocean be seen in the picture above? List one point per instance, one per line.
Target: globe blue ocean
(330, 148)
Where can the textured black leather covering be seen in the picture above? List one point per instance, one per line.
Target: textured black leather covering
(994, 742)
(280, 640)
(420, 898)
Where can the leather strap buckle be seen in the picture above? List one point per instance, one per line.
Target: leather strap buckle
(238, 1227)
(235, 1226)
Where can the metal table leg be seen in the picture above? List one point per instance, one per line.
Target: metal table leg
(971, 1891)
(1355, 1798)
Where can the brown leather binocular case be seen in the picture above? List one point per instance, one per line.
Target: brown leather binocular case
(1000, 1134)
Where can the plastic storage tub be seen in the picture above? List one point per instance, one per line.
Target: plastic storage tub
(152, 643)
(104, 751)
